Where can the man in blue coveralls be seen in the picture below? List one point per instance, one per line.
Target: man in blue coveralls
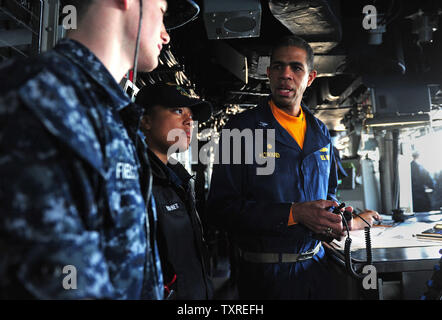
(273, 217)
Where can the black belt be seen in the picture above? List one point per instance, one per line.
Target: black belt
(258, 257)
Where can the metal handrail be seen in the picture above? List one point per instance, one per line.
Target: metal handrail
(14, 48)
(10, 15)
(38, 33)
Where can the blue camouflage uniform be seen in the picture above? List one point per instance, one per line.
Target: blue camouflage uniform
(70, 193)
(255, 208)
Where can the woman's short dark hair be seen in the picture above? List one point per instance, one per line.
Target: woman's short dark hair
(295, 41)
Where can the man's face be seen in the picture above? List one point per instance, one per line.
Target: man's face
(153, 34)
(289, 76)
(173, 122)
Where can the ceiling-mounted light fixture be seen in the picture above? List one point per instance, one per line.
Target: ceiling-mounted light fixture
(230, 19)
(399, 121)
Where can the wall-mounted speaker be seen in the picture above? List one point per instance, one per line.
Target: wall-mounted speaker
(230, 19)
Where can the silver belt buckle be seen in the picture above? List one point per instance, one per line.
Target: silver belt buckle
(305, 256)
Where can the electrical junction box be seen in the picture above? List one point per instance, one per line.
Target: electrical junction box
(393, 95)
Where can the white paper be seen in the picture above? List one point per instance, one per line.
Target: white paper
(400, 236)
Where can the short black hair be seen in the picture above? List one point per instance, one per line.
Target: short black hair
(81, 5)
(295, 41)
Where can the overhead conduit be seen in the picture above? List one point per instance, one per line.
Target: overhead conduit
(314, 20)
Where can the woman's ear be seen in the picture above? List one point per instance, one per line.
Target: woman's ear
(146, 123)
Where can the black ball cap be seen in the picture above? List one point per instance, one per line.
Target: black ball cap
(171, 95)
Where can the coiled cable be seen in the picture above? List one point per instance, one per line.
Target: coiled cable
(347, 248)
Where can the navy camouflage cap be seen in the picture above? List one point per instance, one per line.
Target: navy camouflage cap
(170, 95)
(180, 12)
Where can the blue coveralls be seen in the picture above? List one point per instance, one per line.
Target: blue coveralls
(70, 194)
(254, 209)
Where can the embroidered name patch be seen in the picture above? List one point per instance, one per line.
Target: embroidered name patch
(172, 207)
(269, 155)
(126, 171)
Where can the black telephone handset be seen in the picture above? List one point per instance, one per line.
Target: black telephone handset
(346, 217)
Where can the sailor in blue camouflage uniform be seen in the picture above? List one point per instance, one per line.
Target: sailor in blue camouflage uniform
(70, 194)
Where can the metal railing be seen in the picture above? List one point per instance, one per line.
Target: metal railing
(22, 34)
